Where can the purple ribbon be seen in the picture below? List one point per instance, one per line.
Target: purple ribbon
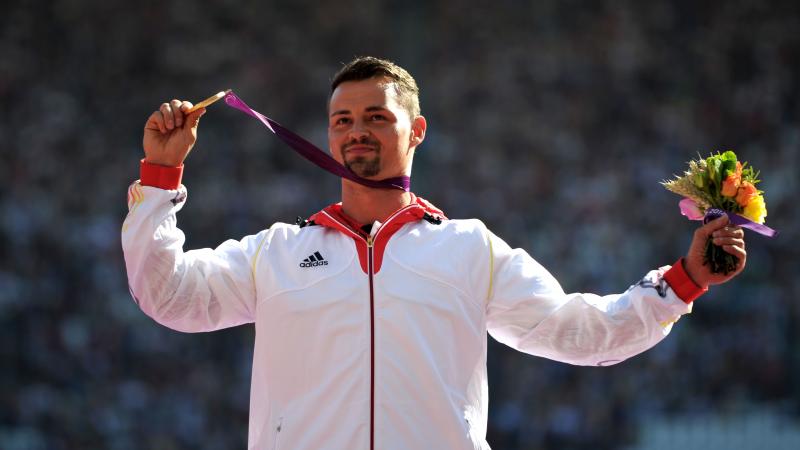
(312, 153)
(692, 212)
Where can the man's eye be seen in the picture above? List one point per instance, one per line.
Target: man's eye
(341, 121)
(378, 117)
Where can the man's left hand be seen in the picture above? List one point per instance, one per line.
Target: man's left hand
(729, 237)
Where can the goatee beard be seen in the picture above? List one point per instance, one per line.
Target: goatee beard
(364, 167)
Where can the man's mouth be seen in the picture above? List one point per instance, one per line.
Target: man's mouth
(358, 150)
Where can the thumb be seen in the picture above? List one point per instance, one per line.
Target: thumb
(714, 225)
(193, 119)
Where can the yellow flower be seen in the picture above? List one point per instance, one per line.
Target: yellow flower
(756, 210)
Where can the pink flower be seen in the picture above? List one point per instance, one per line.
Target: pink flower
(690, 209)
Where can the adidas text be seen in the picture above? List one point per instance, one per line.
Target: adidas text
(314, 260)
(314, 263)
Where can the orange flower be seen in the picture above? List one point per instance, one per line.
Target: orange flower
(730, 185)
(746, 193)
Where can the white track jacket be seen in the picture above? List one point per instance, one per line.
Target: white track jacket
(378, 341)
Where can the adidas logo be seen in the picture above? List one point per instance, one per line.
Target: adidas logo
(314, 260)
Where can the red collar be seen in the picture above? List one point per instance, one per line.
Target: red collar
(416, 210)
(333, 217)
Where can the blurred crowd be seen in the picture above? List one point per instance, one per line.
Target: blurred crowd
(552, 121)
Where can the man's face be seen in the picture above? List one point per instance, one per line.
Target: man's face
(369, 132)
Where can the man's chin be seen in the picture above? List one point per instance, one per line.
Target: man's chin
(370, 175)
(364, 169)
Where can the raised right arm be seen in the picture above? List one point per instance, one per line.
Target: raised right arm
(198, 290)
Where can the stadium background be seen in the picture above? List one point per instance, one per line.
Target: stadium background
(553, 121)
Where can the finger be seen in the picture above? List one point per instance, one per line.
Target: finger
(709, 228)
(175, 105)
(717, 223)
(169, 119)
(730, 231)
(741, 261)
(194, 118)
(735, 250)
(721, 241)
(186, 106)
(156, 122)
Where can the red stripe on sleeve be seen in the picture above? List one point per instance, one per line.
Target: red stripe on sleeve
(163, 177)
(682, 283)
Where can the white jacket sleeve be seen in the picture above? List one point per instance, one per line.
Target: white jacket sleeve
(528, 310)
(198, 290)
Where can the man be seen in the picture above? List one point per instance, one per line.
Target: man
(366, 338)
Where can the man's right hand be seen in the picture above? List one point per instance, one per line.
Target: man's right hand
(170, 133)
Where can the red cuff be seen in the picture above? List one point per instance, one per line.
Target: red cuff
(682, 284)
(163, 177)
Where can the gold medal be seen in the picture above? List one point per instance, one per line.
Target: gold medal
(208, 101)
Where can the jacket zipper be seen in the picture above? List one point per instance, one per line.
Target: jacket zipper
(277, 434)
(370, 242)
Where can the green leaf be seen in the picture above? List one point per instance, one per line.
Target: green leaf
(728, 167)
(729, 156)
(714, 167)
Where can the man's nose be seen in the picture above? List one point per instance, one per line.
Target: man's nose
(358, 131)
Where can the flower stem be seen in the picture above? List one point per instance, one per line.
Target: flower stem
(718, 260)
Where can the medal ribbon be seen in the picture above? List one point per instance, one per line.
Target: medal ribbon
(312, 153)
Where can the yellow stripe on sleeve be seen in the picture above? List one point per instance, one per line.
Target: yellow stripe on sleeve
(491, 266)
(255, 258)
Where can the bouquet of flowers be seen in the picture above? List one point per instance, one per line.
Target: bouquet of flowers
(718, 185)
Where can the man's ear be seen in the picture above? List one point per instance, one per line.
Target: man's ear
(418, 127)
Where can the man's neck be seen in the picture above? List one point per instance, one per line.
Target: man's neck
(366, 205)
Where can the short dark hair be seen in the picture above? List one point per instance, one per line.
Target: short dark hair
(366, 67)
